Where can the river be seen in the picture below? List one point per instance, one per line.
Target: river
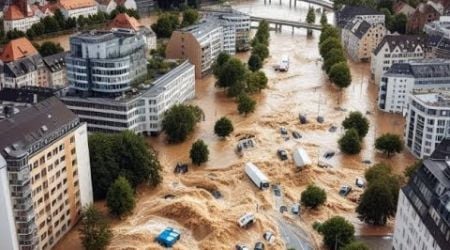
(210, 223)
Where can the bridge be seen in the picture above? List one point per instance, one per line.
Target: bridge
(294, 24)
(322, 3)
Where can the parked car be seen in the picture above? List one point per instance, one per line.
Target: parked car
(296, 135)
(241, 247)
(320, 119)
(329, 154)
(283, 131)
(345, 190)
(282, 154)
(296, 208)
(259, 246)
(359, 182)
(168, 237)
(269, 236)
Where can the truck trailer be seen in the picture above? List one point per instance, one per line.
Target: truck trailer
(257, 177)
(301, 158)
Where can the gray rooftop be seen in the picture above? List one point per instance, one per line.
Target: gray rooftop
(423, 68)
(205, 26)
(405, 42)
(439, 99)
(358, 27)
(55, 62)
(30, 125)
(22, 66)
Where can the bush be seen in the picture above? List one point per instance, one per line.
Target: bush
(223, 127)
(313, 196)
(199, 152)
(179, 121)
(120, 197)
(350, 143)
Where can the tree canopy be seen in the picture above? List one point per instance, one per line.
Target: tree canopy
(120, 197)
(261, 50)
(328, 31)
(231, 72)
(190, 17)
(180, 120)
(223, 127)
(356, 245)
(337, 231)
(313, 196)
(256, 81)
(199, 152)
(165, 25)
(311, 15)
(357, 121)
(350, 143)
(323, 18)
(95, 232)
(49, 48)
(340, 75)
(125, 154)
(329, 44)
(246, 104)
(389, 144)
(254, 62)
(334, 56)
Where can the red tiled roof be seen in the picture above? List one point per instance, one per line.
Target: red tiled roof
(16, 49)
(13, 13)
(122, 20)
(76, 4)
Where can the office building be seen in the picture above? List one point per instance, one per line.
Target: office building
(395, 49)
(45, 175)
(106, 62)
(360, 38)
(141, 109)
(199, 43)
(348, 13)
(422, 220)
(427, 122)
(418, 75)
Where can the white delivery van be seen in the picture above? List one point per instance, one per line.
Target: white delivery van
(301, 158)
(260, 180)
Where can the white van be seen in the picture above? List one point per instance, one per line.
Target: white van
(258, 177)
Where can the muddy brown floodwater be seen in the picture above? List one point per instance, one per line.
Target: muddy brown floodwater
(186, 201)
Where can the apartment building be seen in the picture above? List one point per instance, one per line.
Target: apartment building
(144, 7)
(140, 110)
(423, 14)
(45, 175)
(76, 8)
(22, 65)
(19, 15)
(427, 122)
(360, 38)
(106, 62)
(438, 40)
(423, 211)
(199, 43)
(236, 27)
(395, 49)
(418, 75)
(124, 21)
(348, 13)
(108, 6)
(55, 66)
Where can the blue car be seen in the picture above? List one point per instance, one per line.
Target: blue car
(168, 237)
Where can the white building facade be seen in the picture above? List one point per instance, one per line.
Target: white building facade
(76, 8)
(427, 122)
(402, 78)
(395, 49)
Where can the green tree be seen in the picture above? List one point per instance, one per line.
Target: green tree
(14, 34)
(232, 72)
(337, 232)
(333, 56)
(313, 196)
(328, 31)
(59, 17)
(311, 16)
(356, 245)
(223, 127)
(256, 81)
(221, 59)
(398, 23)
(377, 171)
(357, 121)
(261, 50)
(179, 121)
(262, 34)
(236, 89)
(349, 143)
(246, 104)
(323, 18)
(48, 48)
(199, 152)
(95, 233)
(165, 25)
(51, 24)
(377, 204)
(329, 44)
(254, 62)
(389, 144)
(411, 169)
(190, 17)
(340, 75)
(120, 197)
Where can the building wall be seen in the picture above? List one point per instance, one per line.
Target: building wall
(370, 41)
(410, 232)
(20, 24)
(418, 19)
(185, 46)
(84, 165)
(91, 10)
(29, 79)
(57, 79)
(8, 238)
(394, 93)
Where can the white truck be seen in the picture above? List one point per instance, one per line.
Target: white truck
(258, 177)
(301, 158)
(284, 64)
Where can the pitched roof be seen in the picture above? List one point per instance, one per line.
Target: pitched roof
(55, 62)
(423, 68)
(123, 20)
(408, 42)
(348, 12)
(25, 95)
(19, 131)
(76, 4)
(16, 49)
(358, 27)
(13, 13)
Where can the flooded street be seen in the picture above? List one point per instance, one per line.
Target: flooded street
(206, 222)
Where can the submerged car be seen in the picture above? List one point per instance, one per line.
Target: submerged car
(296, 208)
(329, 154)
(302, 119)
(259, 246)
(345, 190)
(359, 182)
(282, 154)
(296, 135)
(241, 247)
(283, 131)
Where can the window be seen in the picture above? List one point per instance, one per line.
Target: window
(72, 139)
